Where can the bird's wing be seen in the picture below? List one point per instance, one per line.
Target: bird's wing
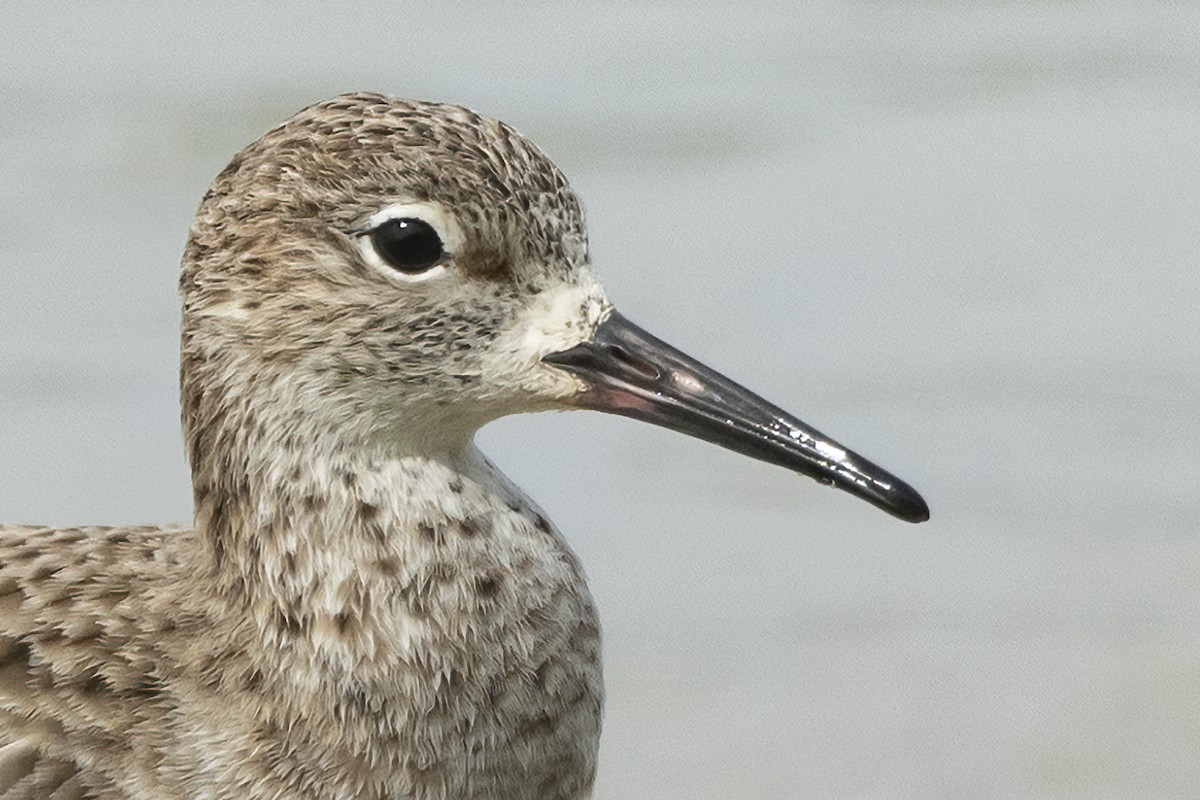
(77, 671)
(27, 773)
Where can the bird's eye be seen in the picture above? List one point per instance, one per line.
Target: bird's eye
(408, 245)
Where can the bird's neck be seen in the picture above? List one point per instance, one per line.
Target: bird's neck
(264, 504)
(360, 563)
(284, 490)
(403, 605)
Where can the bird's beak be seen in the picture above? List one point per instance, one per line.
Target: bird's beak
(627, 371)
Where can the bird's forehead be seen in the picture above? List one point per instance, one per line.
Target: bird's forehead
(349, 156)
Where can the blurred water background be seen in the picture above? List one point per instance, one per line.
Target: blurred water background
(961, 238)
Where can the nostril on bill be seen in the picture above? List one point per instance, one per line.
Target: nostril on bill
(623, 356)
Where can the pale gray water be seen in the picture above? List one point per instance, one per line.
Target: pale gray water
(963, 240)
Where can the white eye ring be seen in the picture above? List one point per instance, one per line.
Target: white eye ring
(431, 214)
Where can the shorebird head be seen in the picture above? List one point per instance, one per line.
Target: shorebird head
(391, 274)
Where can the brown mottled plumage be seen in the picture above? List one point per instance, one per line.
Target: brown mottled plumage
(365, 607)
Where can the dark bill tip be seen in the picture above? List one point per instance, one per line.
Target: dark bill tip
(627, 371)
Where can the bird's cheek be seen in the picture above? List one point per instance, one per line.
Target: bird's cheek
(518, 376)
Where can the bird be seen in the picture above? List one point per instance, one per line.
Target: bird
(364, 606)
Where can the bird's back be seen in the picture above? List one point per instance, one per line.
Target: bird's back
(80, 663)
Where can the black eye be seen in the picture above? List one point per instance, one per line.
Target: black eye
(409, 245)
